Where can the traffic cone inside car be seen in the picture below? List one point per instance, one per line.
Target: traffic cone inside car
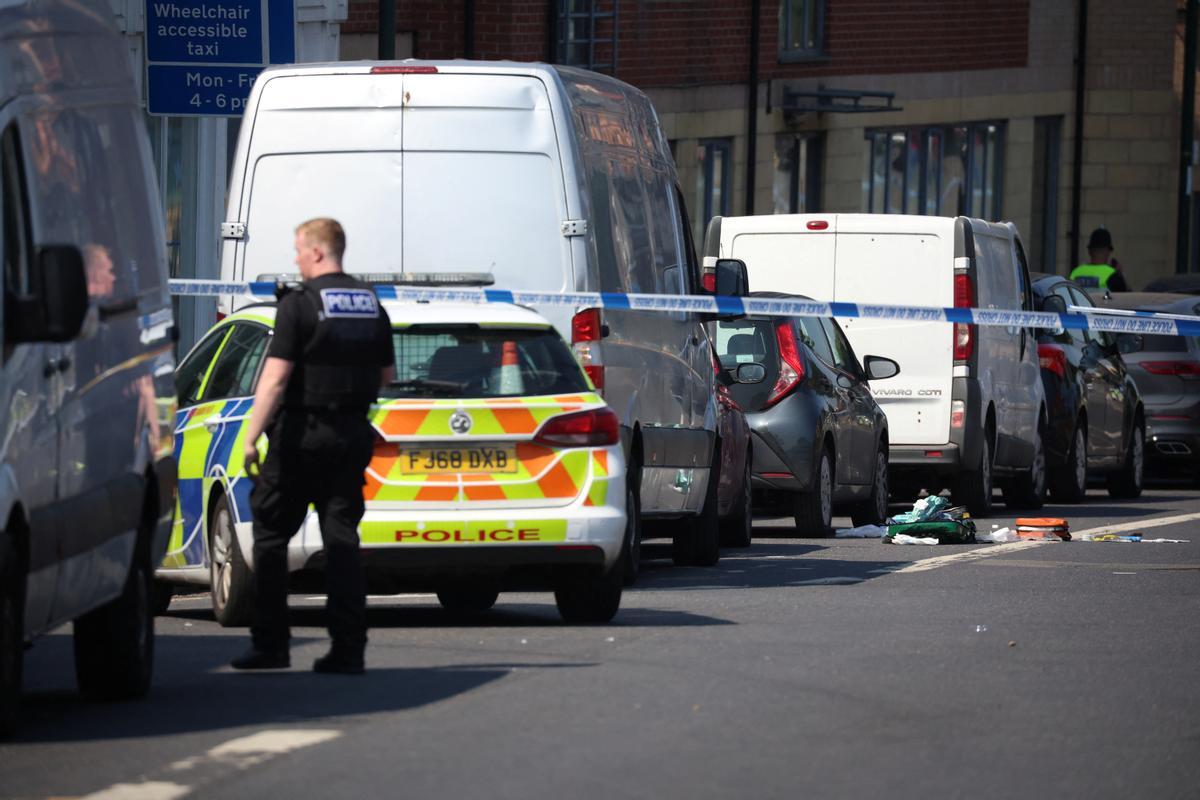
(510, 381)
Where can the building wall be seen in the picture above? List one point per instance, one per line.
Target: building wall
(946, 61)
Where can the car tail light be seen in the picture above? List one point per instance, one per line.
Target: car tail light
(958, 413)
(404, 69)
(596, 428)
(1187, 370)
(964, 335)
(1053, 358)
(586, 331)
(791, 368)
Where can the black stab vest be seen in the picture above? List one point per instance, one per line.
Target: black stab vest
(340, 370)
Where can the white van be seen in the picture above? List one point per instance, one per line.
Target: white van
(87, 475)
(968, 403)
(541, 178)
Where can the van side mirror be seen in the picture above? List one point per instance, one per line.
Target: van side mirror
(879, 368)
(55, 310)
(732, 280)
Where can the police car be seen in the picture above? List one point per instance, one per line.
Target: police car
(496, 466)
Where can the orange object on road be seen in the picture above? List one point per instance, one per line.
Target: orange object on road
(1043, 528)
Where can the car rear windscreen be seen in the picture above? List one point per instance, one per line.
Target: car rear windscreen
(473, 361)
(1152, 343)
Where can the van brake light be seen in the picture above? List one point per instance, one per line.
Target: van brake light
(817, 225)
(402, 69)
(791, 368)
(586, 332)
(964, 335)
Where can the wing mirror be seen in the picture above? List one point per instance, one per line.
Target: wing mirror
(54, 311)
(750, 373)
(1054, 305)
(879, 368)
(1130, 343)
(731, 278)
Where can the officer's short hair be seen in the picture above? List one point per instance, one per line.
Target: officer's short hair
(325, 231)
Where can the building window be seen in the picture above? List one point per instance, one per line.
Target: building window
(587, 34)
(945, 171)
(713, 181)
(797, 184)
(801, 29)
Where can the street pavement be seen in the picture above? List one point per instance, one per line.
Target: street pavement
(796, 668)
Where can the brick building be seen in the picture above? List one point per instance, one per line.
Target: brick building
(917, 106)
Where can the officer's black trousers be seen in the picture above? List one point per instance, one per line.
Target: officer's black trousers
(315, 458)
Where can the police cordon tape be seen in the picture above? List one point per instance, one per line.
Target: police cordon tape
(1097, 319)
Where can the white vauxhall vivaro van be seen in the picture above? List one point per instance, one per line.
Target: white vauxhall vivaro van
(538, 177)
(87, 475)
(968, 402)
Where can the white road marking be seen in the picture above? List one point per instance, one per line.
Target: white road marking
(150, 790)
(1137, 526)
(970, 555)
(236, 754)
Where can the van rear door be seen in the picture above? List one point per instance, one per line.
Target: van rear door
(483, 187)
(323, 146)
(885, 260)
(782, 255)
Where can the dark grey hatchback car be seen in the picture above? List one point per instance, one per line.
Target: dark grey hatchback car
(819, 437)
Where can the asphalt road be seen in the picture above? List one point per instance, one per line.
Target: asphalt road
(797, 668)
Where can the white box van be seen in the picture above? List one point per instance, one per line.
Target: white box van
(87, 393)
(968, 402)
(545, 178)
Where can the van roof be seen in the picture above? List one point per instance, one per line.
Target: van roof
(553, 72)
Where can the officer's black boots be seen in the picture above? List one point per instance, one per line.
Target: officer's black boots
(338, 662)
(254, 658)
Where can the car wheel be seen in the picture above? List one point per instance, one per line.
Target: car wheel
(1028, 489)
(737, 529)
(874, 510)
(974, 489)
(114, 645)
(814, 508)
(697, 543)
(231, 580)
(468, 599)
(591, 599)
(1068, 483)
(631, 544)
(12, 644)
(1127, 481)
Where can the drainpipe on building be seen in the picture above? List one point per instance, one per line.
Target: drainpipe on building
(1187, 135)
(1077, 158)
(752, 126)
(469, 29)
(387, 30)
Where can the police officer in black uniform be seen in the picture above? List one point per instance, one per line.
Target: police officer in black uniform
(331, 350)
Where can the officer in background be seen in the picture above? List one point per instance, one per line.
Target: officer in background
(1102, 270)
(331, 350)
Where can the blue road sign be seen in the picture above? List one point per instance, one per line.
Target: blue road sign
(202, 56)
